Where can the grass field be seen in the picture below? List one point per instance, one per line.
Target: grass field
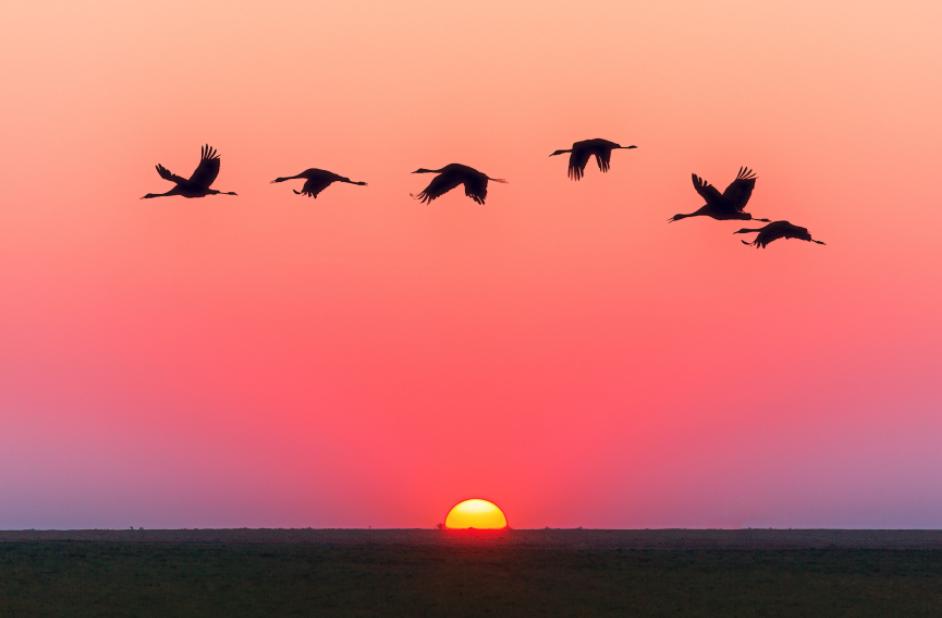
(421, 572)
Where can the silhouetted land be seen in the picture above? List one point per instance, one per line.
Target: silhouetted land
(425, 572)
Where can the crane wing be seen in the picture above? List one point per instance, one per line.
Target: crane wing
(739, 191)
(603, 157)
(766, 236)
(475, 187)
(578, 160)
(796, 231)
(168, 175)
(315, 185)
(205, 173)
(781, 229)
(440, 185)
(706, 190)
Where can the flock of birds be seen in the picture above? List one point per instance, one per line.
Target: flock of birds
(728, 205)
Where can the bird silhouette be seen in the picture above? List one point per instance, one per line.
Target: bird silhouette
(775, 230)
(197, 185)
(729, 204)
(317, 181)
(581, 151)
(452, 175)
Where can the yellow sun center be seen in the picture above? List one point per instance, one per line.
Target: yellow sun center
(475, 514)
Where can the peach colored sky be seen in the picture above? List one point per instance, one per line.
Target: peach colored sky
(361, 359)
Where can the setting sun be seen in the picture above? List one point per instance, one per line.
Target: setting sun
(475, 514)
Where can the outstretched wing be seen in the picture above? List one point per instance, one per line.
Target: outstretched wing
(782, 229)
(205, 173)
(706, 190)
(440, 185)
(739, 191)
(315, 185)
(475, 187)
(796, 231)
(168, 175)
(603, 157)
(767, 236)
(578, 159)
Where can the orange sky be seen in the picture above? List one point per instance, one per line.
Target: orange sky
(363, 359)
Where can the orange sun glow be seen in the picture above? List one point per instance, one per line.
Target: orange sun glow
(475, 514)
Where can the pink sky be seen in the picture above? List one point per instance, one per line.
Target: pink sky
(362, 359)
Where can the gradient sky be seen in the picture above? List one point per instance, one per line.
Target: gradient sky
(362, 359)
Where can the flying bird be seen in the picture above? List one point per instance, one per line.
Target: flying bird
(317, 181)
(729, 204)
(775, 230)
(452, 175)
(581, 151)
(197, 185)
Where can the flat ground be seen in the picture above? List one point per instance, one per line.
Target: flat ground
(425, 572)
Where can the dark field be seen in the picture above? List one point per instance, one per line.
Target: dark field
(423, 572)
